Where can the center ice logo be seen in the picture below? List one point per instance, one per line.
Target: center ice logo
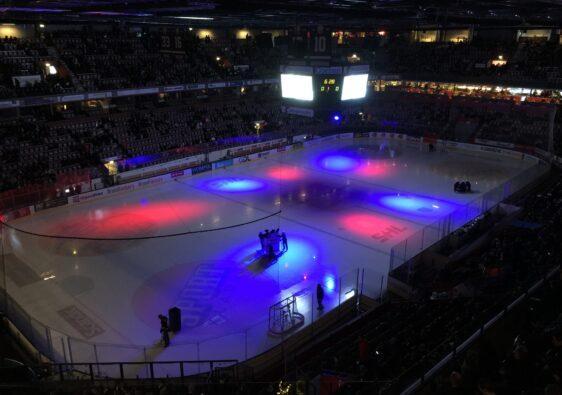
(199, 295)
(388, 233)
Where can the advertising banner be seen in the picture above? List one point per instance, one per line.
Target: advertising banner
(84, 197)
(201, 168)
(223, 163)
(176, 174)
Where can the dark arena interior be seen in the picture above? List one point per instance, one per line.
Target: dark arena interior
(306, 197)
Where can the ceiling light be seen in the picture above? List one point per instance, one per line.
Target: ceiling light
(196, 18)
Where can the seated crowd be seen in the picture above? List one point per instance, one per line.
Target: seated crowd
(529, 61)
(525, 354)
(22, 70)
(87, 60)
(36, 149)
(113, 58)
(459, 118)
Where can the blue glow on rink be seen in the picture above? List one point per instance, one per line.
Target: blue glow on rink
(416, 205)
(329, 283)
(235, 184)
(300, 264)
(339, 163)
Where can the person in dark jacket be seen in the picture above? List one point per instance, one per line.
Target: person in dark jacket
(320, 296)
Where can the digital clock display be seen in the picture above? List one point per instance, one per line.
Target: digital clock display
(329, 85)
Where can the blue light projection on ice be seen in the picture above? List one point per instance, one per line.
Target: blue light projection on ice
(338, 163)
(416, 205)
(329, 283)
(233, 184)
(302, 262)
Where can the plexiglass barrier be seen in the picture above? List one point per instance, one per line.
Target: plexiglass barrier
(436, 231)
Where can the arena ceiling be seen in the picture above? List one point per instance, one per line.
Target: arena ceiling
(353, 13)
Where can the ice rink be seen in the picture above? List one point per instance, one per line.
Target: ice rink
(343, 205)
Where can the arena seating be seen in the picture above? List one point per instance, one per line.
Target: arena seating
(558, 133)
(127, 60)
(522, 357)
(23, 58)
(117, 58)
(459, 118)
(124, 60)
(525, 353)
(528, 61)
(36, 150)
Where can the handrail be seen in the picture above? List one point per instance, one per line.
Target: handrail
(33, 101)
(62, 368)
(144, 363)
(478, 333)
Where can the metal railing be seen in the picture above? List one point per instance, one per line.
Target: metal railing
(147, 370)
(478, 333)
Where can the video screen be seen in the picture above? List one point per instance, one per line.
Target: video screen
(297, 87)
(354, 87)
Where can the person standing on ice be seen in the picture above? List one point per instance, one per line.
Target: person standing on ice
(320, 296)
(165, 335)
(262, 236)
(164, 330)
(284, 240)
(163, 320)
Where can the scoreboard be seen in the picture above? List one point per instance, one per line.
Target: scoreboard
(330, 85)
(328, 89)
(324, 88)
(313, 82)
